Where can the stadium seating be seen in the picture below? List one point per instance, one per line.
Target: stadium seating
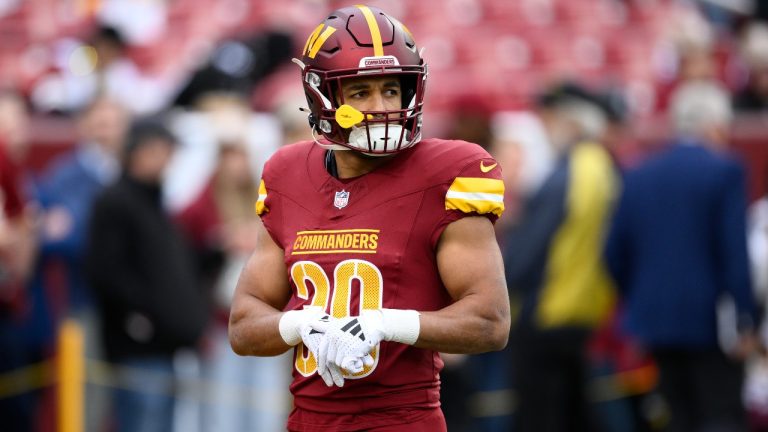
(534, 40)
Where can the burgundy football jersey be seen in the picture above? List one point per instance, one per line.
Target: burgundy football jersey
(370, 242)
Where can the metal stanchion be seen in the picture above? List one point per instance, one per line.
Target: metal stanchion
(70, 370)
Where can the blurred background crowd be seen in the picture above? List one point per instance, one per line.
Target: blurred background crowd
(633, 135)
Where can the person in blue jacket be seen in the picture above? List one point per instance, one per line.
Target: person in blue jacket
(677, 249)
(66, 190)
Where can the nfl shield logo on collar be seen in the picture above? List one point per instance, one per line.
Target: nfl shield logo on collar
(341, 200)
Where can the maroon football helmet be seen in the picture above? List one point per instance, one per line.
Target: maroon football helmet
(355, 41)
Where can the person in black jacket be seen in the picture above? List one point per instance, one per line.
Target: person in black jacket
(149, 298)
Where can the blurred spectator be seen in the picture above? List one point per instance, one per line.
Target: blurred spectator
(149, 300)
(678, 243)
(17, 252)
(521, 146)
(471, 121)
(758, 248)
(756, 383)
(101, 67)
(217, 117)
(12, 225)
(293, 122)
(220, 224)
(17, 218)
(754, 49)
(616, 136)
(238, 65)
(14, 126)
(761, 11)
(690, 42)
(724, 15)
(8, 7)
(225, 146)
(142, 22)
(219, 221)
(558, 284)
(66, 190)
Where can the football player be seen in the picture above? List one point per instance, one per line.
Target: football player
(377, 249)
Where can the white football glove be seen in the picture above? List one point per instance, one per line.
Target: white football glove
(294, 328)
(349, 341)
(291, 322)
(312, 339)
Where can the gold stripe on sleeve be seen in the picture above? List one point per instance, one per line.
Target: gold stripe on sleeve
(477, 185)
(476, 195)
(261, 207)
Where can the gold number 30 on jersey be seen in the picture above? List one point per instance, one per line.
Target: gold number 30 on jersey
(347, 271)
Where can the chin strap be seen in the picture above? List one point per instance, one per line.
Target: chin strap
(330, 164)
(327, 146)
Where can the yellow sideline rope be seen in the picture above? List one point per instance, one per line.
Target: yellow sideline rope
(71, 371)
(24, 379)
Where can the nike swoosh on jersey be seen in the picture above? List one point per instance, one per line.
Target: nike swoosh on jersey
(485, 169)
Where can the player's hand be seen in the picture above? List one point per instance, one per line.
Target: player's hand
(312, 337)
(291, 323)
(349, 341)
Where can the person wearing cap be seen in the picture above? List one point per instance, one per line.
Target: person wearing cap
(143, 277)
(554, 270)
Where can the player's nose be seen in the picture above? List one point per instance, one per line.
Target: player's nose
(378, 102)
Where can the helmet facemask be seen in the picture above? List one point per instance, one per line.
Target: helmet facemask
(378, 132)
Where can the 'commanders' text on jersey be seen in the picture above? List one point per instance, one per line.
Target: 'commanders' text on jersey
(370, 242)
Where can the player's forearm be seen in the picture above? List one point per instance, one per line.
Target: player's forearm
(253, 329)
(465, 328)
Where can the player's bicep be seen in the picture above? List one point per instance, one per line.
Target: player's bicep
(470, 266)
(469, 260)
(264, 276)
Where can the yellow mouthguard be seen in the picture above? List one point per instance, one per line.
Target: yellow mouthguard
(347, 116)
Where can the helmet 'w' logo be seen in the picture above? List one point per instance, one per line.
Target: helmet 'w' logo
(317, 39)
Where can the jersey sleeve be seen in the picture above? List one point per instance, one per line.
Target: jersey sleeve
(478, 189)
(267, 205)
(261, 202)
(279, 178)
